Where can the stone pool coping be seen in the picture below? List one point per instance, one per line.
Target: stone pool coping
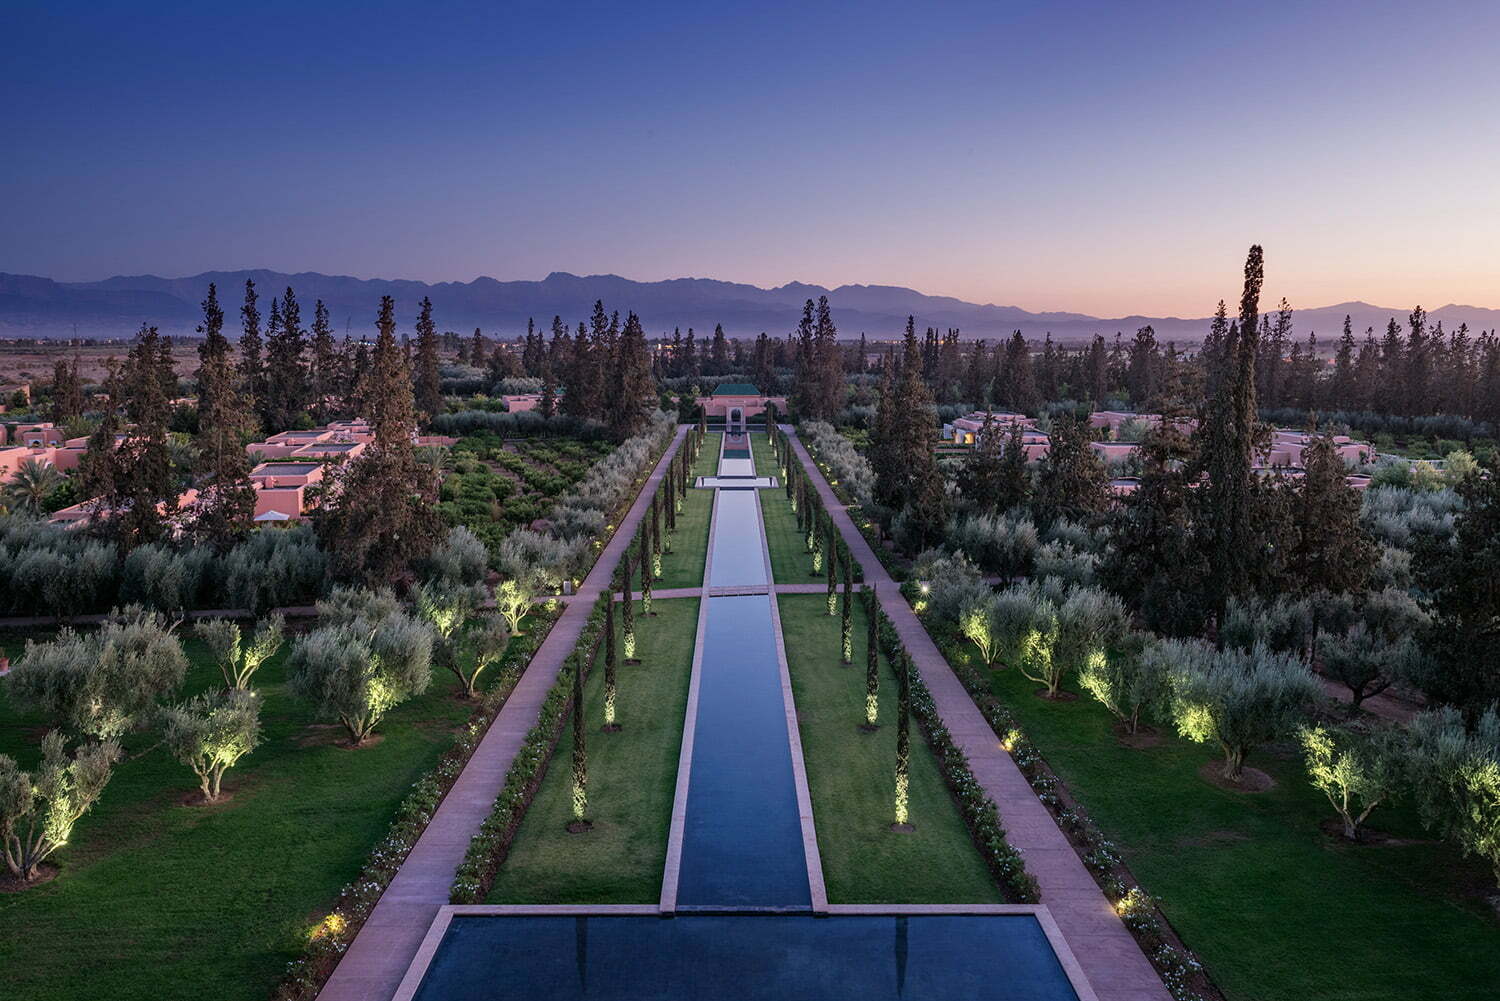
(415, 973)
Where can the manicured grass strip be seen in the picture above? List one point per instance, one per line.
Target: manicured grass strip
(851, 775)
(683, 566)
(632, 779)
(159, 896)
(765, 462)
(707, 463)
(791, 563)
(1276, 909)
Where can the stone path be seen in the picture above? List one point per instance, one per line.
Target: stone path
(1108, 953)
(378, 957)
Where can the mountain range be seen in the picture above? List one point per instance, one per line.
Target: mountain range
(32, 306)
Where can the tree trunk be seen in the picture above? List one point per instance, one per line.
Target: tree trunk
(1234, 763)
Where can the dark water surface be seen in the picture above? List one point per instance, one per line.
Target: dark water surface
(746, 958)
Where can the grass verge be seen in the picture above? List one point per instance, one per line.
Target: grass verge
(1276, 909)
(632, 779)
(851, 776)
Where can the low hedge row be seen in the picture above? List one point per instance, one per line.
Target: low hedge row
(489, 848)
(306, 975)
(979, 811)
(1180, 970)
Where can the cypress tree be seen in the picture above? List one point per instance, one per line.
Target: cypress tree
(429, 386)
(847, 621)
(144, 494)
(830, 547)
(872, 660)
(580, 757)
(903, 745)
(645, 561)
(225, 510)
(324, 373)
(655, 538)
(632, 384)
(252, 366)
(610, 691)
(285, 393)
(1073, 482)
(628, 622)
(385, 515)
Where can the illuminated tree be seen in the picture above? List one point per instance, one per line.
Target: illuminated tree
(655, 537)
(645, 560)
(580, 757)
(872, 660)
(628, 620)
(1455, 778)
(513, 599)
(846, 622)
(1129, 684)
(237, 660)
(38, 809)
(463, 645)
(1356, 771)
(211, 733)
(976, 620)
(369, 658)
(903, 742)
(1239, 699)
(102, 684)
(610, 689)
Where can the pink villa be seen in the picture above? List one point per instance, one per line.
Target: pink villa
(1110, 422)
(516, 403)
(1286, 448)
(965, 430)
(737, 402)
(281, 489)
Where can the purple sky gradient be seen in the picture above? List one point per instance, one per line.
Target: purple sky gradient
(1103, 158)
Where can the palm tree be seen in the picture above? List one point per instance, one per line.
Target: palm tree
(33, 482)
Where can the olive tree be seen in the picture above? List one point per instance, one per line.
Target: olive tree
(1089, 622)
(976, 620)
(1455, 779)
(102, 684)
(238, 661)
(1356, 771)
(1239, 699)
(1130, 683)
(461, 643)
(38, 809)
(211, 733)
(513, 599)
(367, 659)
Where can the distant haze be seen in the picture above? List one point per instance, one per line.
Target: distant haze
(39, 307)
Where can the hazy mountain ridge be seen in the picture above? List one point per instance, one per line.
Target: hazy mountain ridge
(32, 306)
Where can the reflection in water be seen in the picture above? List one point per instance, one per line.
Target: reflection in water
(738, 551)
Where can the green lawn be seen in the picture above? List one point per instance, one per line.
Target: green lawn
(157, 900)
(851, 775)
(1277, 910)
(632, 778)
(790, 561)
(707, 463)
(765, 462)
(683, 566)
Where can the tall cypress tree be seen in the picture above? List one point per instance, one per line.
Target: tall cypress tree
(285, 394)
(830, 546)
(846, 625)
(628, 621)
(252, 366)
(225, 509)
(872, 659)
(1228, 442)
(580, 757)
(429, 385)
(145, 493)
(611, 724)
(655, 536)
(323, 372)
(631, 385)
(903, 745)
(383, 515)
(644, 541)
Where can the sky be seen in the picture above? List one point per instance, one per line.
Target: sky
(1112, 158)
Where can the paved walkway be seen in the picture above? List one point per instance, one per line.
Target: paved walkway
(1108, 953)
(378, 957)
